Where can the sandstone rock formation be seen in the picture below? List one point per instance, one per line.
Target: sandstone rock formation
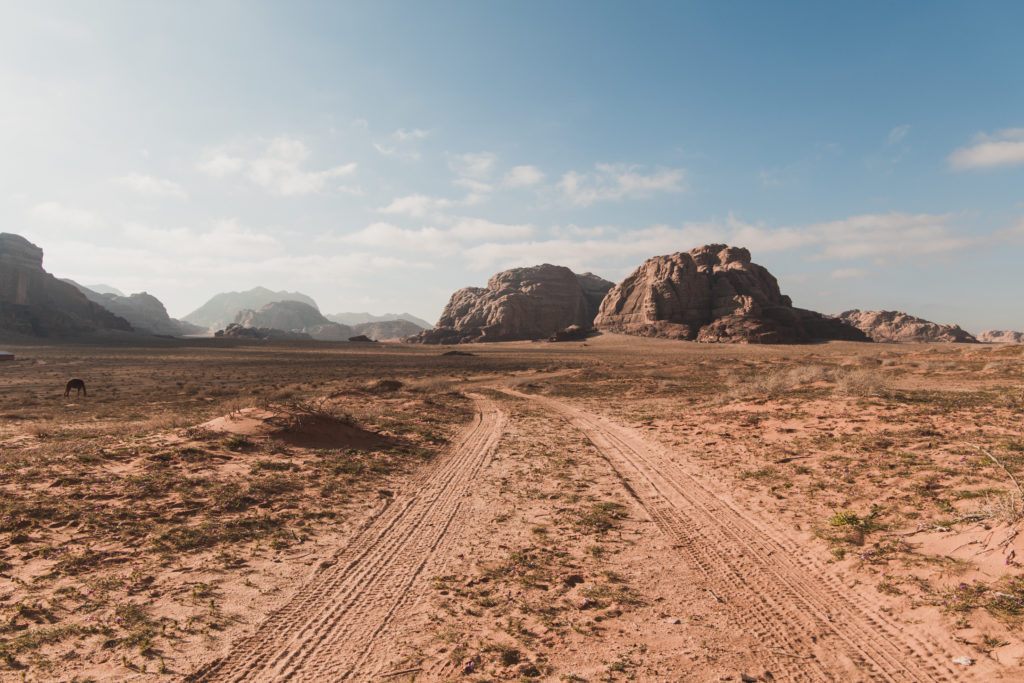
(234, 331)
(387, 329)
(897, 326)
(522, 303)
(1001, 337)
(221, 310)
(362, 338)
(35, 303)
(712, 294)
(572, 333)
(144, 311)
(293, 316)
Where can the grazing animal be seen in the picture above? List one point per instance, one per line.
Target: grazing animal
(75, 384)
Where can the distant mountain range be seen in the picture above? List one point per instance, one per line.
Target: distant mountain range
(144, 311)
(220, 311)
(360, 318)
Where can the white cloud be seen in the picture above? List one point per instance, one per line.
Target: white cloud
(58, 214)
(278, 169)
(476, 165)
(399, 144)
(523, 176)
(898, 133)
(416, 205)
(612, 182)
(1004, 148)
(885, 237)
(391, 237)
(147, 184)
(475, 229)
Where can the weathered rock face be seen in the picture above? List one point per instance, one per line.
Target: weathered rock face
(35, 303)
(234, 331)
(221, 310)
(712, 293)
(897, 326)
(1001, 337)
(522, 303)
(293, 316)
(387, 329)
(144, 311)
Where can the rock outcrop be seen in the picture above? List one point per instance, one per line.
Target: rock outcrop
(388, 329)
(221, 310)
(234, 331)
(1001, 337)
(713, 293)
(897, 326)
(35, 303)
(144, 311)
(517, 304)
(293, 316)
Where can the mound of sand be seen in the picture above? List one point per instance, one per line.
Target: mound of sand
(296, 427)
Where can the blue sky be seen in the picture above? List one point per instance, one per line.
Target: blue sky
(379, 155)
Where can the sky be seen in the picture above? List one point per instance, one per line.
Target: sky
(379, 155)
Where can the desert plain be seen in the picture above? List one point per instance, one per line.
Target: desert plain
(616, 509)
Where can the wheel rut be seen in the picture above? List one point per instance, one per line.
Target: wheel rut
(811, 626)
(328, 629)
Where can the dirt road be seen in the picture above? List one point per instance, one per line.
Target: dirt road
(327, 631)
(811, 626)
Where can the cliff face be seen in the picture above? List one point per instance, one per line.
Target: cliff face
(35, 303)
(897, 326)
(521, 303)
(712, 293)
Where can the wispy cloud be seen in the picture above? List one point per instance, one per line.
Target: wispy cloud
(401, 143)
(1003, 148)
(897, 134)
(278, 169)
(523, 176)
(476, 165)
(848, 273)
(147, 184)
(613, 182)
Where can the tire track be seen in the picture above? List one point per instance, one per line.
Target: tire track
(326, 631)
(812, 627)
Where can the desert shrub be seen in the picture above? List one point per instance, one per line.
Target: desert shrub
(863, 382)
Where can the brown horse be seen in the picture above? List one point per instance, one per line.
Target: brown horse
(75, 384)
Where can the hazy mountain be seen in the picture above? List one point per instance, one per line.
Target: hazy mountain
(34, 302)
(388, 329)
(144, 311)
(220, 311)
(101, 289)
(360, 318)
(293, 316)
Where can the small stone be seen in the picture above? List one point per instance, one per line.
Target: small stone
(963, 661)
(672, 620)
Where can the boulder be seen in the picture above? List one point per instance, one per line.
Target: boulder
(897, 326)
(35, 303)
(572, 333)
(713, 293)
(362, 338)
(517, 304)
(1001, 337)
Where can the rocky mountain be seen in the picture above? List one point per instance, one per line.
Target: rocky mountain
(353, 319)
(35, 303)
(1001, 337)
(897, 326)
(144, 311)
(99, 289)
(522, 303)
(293, 316)
(221, 310)
(387, 329)
(234, 331)
(713, 293)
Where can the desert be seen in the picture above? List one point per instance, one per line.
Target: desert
(216, 510)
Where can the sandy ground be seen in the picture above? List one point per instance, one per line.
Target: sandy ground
(620, 509)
